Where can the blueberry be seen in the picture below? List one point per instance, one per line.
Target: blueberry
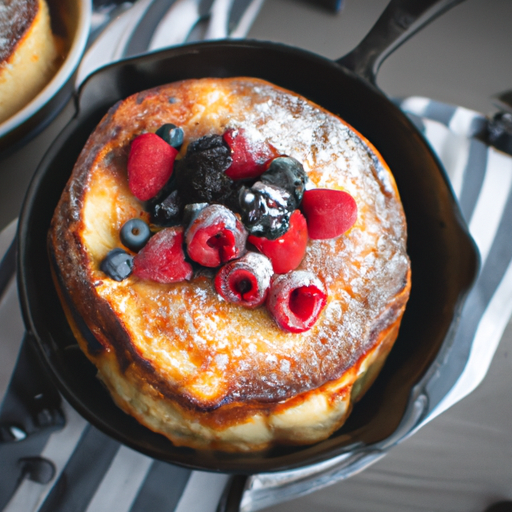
(134, 234)
(117, 264)
(172, 134)
(288, 173)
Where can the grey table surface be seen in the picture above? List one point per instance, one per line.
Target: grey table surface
(462, 460)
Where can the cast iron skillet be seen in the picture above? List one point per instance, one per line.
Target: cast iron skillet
(443, 256)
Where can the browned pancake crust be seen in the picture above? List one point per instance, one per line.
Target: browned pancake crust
(16, 16)
(235, 362)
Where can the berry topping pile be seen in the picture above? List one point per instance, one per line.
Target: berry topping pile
(235, 206)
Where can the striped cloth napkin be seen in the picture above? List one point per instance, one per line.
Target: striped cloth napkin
(481, 178)
(90, 472)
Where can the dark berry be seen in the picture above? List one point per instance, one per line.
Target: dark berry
(288, 250)
(266, 210)
(207, 143)
(329, 212)
(200, 176)
(296, 299)
(134, 234)
(118, 264)
(215, 236)
(166, 212)
(172, 134)
(162, 259)
(287, 173)
(150, 165)
(245, 281)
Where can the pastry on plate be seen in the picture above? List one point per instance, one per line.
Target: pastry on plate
(28, 53)
(232, 259)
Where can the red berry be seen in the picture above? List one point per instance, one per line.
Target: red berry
(285, 252)
(249, 157)
(150, 165)
(215, 236)
(245, 281)
(329, 212)
(296, 300)
(162, 259)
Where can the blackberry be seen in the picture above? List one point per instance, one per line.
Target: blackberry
(207, 143)
(200, 175)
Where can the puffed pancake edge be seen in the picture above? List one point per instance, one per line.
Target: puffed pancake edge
(237, 414)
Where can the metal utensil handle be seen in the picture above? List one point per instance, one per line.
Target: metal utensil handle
(400, 20)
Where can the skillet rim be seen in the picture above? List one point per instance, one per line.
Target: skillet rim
(186, 457)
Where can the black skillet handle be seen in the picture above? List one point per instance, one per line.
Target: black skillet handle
(400, 20)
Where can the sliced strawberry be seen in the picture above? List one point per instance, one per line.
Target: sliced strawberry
(162, 259)
(329, 212)
(245, 281)
(215, 236)
(250, 157)
(296, 300)
(286, 252)
(150, 165)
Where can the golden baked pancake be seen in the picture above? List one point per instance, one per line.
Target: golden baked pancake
(184, 357)
(28, 53)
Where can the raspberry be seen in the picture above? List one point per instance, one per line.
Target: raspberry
(250, 158)
(329, 212)
(150, 165)
(162, 259)
(245, 281)
(286, 252)
(296, 299)
(215, 236)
